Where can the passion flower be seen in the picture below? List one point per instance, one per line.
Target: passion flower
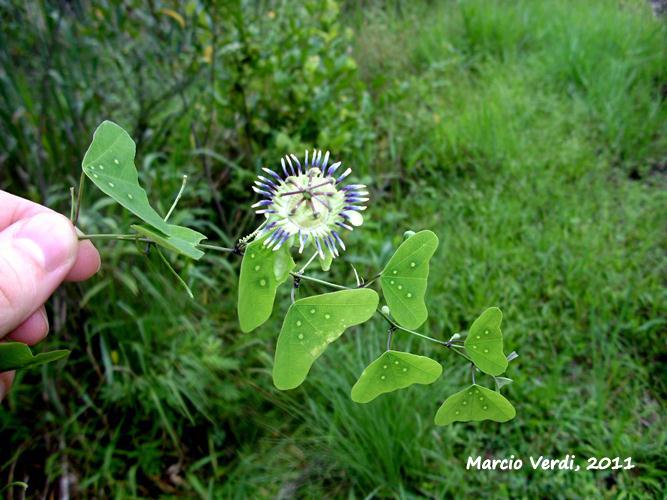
(308, 204)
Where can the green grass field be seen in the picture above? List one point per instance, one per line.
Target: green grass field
(530, 136)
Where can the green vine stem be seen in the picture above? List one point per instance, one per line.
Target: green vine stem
(448, 344)
(298, 276)
(321, 282)
(135, 237)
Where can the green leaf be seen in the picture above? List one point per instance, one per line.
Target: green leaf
(394, 370)
(109, 163)
(311, 325)
(262, 271)
(181, 239)
(484, 343)
(16, 355)
(404, 279)
(475, 403)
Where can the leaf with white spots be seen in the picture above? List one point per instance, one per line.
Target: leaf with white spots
(394, 370)
(405, 276)
(484, 342)
(109, 163)
(475, 403)
(181, 239)
(17, 355)
(262, 272)
(311, 325)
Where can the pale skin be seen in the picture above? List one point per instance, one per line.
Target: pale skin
(39, 250)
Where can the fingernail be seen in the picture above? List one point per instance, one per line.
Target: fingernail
(50, 240)
(45, 317)
(3, 390)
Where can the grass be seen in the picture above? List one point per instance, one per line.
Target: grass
(530, 136)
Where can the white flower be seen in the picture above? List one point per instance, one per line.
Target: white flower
(308, 205)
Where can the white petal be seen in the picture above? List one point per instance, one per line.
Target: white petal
(355, 218)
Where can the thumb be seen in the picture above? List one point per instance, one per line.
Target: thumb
(35, 256)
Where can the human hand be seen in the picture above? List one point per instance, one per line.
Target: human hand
(39, 250)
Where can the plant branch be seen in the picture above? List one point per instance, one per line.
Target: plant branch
(112, 236)
(448, 345)
(371, 281)
(321, 282)
(136, 237)
(216, 248)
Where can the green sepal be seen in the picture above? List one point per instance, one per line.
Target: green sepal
(394, 370)
(405, 277)
(475, 403)
(311, 324)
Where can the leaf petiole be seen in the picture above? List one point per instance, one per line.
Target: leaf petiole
(448, 345)
(216, 248)
(371, 281)
(136, 237)
(321, 282)
(112, 236)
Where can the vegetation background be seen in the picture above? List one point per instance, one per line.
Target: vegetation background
(531, 136)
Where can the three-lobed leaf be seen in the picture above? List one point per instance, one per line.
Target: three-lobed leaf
(17, 355)
(484, 343)
(262, 271)
(394, 370)
(405, 276)
(311, 324)
(475, 403)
